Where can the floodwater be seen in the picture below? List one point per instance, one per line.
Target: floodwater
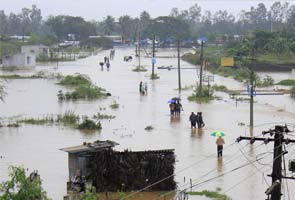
(236, 174)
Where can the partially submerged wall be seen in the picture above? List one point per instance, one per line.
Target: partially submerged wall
(129, 171)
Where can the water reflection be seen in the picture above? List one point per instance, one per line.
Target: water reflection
(197, 132)
(174, 119)
(219, 165)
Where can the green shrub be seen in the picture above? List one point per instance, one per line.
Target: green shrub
(75, 80)
(210, 194)
(88, 124)
(287, 82)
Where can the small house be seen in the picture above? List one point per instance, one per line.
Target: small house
(19, 60)
(38, 50)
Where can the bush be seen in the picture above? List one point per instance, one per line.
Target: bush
(88, 124)
(21, 187)
(75, 80)
(205, 95)
(287, 82)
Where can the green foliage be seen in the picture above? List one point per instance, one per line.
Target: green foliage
(38, 121)
(211, 194)
(9, 47)
(220, 88)
(287, 82)
(239, 74)
(83, 89)
(75, 80)
(101, 42)
(168, 27)
(20, 187)
(140, 69)
(201, 96)
(88, 124)
(265, 82)
(68, 118)
(90, 194)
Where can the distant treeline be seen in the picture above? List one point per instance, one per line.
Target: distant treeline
(179, 24)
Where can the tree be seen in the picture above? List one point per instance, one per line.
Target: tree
(108, 25)
(3, 23)
(21, 187)
(169, 27)
(126, 26)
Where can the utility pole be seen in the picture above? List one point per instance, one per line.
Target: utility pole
(251, 88)
(275, 189)
(201, 68)
(178, 56)
(139, 49)
(153, 57)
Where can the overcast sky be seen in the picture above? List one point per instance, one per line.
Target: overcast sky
(98, 9)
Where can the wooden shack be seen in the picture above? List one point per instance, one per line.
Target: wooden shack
(110, 170)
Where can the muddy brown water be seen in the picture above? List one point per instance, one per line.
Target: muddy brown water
(37, 147)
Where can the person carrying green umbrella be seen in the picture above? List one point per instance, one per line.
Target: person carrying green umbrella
(219, 142)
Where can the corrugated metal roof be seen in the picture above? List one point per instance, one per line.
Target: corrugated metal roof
(90, 147)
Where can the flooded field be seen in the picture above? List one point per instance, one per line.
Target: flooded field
(37, 147)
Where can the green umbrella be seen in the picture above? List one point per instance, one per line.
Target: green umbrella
(218, 133)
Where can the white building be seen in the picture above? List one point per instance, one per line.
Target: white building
(19, 60)
(38, 50)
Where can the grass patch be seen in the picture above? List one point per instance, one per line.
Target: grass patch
(115, 105)
(103, 116)
(77, 80)
(149, 128)
(155, 76)
(68, 118)
(287, 82)
(139, 69)
(84, 89)
(89, 124)
(38, 75)
(38, 121)
(211, 194)
(220, 88)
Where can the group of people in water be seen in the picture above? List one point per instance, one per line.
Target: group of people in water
(143, 88)
(175, 108)
(106, 60)
(196, 119)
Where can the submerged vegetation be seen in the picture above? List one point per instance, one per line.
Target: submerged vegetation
(83, 89)
(211, 194)
(287, 82)
(68, 119)
(205, 96)
(115, 105)
(38, 75)
(140, 69)
(89, 124)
